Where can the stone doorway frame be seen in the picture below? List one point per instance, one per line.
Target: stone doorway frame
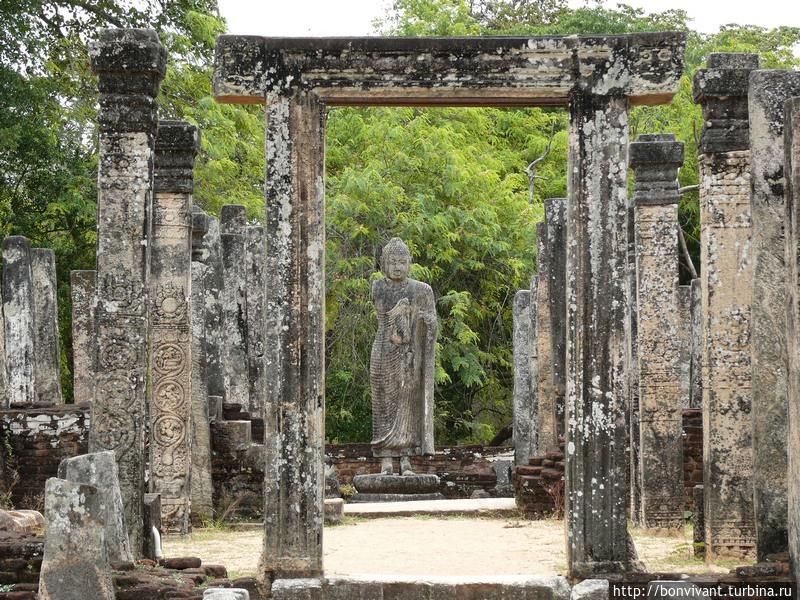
(598, 78)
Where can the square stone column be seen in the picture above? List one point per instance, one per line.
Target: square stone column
(3, 378)
(727, 279)
(767, 95)
(170, 398)
(213, 283)
(45, 308)
(544, 385)
(655, 160)
(233, 222)
(295, 335)
(631, 362)
(792, 223)
(130, 64)
(202, 484)
(525, 428)
(256, 281)
(19, 320)
(696, 345)
(595, 498)
(83, 284)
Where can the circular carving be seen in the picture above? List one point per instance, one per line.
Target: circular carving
(113, 430)
(117, 391)
(169, 396)
(170, 359)
(118, 353)
(169, 303)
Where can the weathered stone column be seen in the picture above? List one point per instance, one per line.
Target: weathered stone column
(726, 268)
(655, 160)
(295, 348)
(524, 430)
(685, 336)
(696, 345)
(130, 64)
(83, 285)
(256, 281)
(213, 283)
(631, 362)
(792, 222)
(233, 221)
(767, 95)
(595, 498)
(544, 385)
(555, 215)
(18, 314)
(4, 401)
(177, 143)
(45, 313)
(202, 486)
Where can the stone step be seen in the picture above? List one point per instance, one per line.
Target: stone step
(257, 430)
(547, 462)
(529, 470)
(553, 455)
(552, 474)
(231, 407)
(535, 461)
(237, 416)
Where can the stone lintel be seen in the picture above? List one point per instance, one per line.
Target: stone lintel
(655, 160)
(458, 71)
(722, 90)
(177, 144)
(130, 64)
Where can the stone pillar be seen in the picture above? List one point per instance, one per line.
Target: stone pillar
(256, 281)
(177, 143)
(685, 333)
(4, 400)
(213, 283)
(595, 494)
(555, 215)
(75, 562)
(18, 314)
(792, 222)
(696, 345)
(726, 274)
(655, 160)
(45, 316)
(233, 221)
(767, 95)
(544, 385)
(130, 64)
(202, 485)
(83, 334)
(524, 430)
(632, 368)
(295, 335)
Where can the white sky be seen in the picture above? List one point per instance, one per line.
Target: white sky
(355, 17)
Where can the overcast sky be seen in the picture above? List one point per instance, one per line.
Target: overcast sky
(355, 17)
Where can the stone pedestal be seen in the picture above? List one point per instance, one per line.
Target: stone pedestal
(595, 491)
(18, 316)
(233, 221)
(655, 160)
(396, 488)
(130, 64)
(726, 267)
(792, 223)
(177, 143)
(45, 312)
(768, 93)
(524, 428)
(75, 564)
(100, 470)
(83, 334)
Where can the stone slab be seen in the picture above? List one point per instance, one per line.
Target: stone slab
(387, 497)
(433, 507)
(396, 484)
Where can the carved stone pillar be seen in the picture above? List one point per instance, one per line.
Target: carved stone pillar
(130, 64)
(655, 160)
(177, 143)
(726, 274)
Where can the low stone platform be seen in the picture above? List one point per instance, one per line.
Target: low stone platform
(380, 487)
(432, 507)
(439, 588)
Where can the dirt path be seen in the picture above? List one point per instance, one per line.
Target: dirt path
(434, 546)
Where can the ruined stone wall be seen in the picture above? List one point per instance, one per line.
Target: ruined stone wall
(35, 440)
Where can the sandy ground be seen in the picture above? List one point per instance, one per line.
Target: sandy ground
(435, 546)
